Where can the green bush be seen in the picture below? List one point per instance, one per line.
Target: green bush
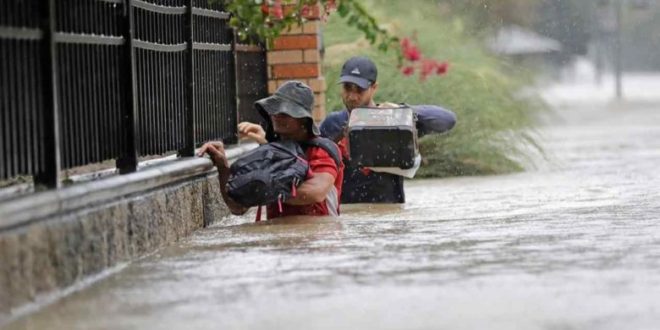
(495, 126)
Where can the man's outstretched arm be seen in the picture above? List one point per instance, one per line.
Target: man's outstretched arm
(433, 119)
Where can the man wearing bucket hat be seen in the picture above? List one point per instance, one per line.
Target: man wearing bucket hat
(288, 116)
(359, 84)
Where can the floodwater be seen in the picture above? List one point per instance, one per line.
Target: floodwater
(574, 244)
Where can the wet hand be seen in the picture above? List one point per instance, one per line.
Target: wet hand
(215, 150)
(250, 131)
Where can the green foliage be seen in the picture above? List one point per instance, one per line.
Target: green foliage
(356, 15)
(253, 22)
(495, 125)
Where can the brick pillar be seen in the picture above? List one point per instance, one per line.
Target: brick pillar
(295, 55)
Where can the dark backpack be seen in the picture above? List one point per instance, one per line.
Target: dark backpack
(272, 172)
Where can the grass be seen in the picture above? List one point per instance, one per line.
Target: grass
(495, 126)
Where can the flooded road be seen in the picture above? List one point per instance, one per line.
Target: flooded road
(572, 245)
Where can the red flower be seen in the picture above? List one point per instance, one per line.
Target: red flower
(277, 10)
(264, 8)
(412, 54)
(410, 51)
(305, 11)
(407, 70)
(442, 68)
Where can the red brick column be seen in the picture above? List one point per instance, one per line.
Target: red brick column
(295, 55)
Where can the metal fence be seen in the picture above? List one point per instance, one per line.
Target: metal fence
(84, 81)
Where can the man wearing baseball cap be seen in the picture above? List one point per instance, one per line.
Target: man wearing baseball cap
(288, 116)
(359, 85)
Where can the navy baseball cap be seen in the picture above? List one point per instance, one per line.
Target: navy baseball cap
(359, 70)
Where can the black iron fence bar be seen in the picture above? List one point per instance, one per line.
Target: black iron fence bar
(189, 99)
(7, 32)
(128, 159)
(4, 126)
(237, 87)
(48, 174)
(210, 13)
(75, 38)
(234, 42)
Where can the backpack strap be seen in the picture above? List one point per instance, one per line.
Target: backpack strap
(327, 145)
(258, 216)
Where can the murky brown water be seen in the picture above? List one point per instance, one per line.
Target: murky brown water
(574, 245)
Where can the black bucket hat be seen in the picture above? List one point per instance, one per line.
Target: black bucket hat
(294, 99)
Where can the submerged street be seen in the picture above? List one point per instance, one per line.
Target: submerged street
(573, 244)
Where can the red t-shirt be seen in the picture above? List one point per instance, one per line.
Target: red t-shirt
(319, 162)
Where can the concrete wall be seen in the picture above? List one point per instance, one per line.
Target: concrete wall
(52, 240)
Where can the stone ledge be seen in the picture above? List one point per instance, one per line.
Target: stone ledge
(53, 240)
(35, 207)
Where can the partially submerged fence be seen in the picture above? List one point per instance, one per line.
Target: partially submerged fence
(87, 81)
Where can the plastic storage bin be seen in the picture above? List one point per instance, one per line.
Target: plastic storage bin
(382, 137)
